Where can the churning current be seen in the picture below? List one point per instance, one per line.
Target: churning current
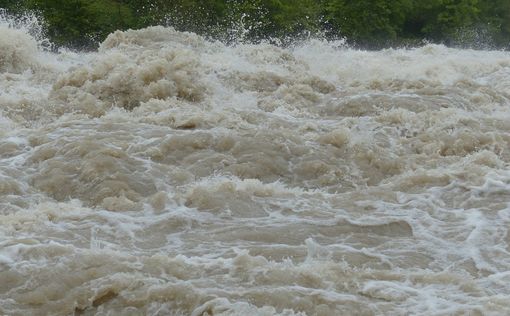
(166, 174)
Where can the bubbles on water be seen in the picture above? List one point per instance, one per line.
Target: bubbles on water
(29, 23)
(17, 50)
(125, 74)
(166, 173)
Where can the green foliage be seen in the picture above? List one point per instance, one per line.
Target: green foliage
(440, 18)
(109, 16)
(367, 23)
(495, 15)
(11, 5)
(67, 21)
(371, 21)
(274, 19)
(82, 23)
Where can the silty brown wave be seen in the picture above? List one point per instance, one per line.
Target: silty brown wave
(166, 174)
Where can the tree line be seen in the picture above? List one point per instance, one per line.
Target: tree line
(364, 23)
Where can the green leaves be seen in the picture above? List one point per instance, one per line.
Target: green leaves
(376, 23)
(367, 23)
(82, 23)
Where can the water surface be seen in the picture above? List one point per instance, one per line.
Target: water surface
(166, 174)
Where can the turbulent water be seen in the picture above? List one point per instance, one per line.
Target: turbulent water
(166, 174)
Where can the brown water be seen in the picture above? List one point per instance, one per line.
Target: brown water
(168, 175)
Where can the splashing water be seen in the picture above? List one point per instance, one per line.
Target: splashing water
(168, 175)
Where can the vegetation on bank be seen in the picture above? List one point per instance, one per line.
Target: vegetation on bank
(365, 23)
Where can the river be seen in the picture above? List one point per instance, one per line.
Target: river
(165, 174)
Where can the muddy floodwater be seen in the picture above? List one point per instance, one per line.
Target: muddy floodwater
(165, 174)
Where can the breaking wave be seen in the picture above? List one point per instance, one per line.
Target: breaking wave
(166, 174)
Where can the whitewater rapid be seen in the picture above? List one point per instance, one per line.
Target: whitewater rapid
(166, 174)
